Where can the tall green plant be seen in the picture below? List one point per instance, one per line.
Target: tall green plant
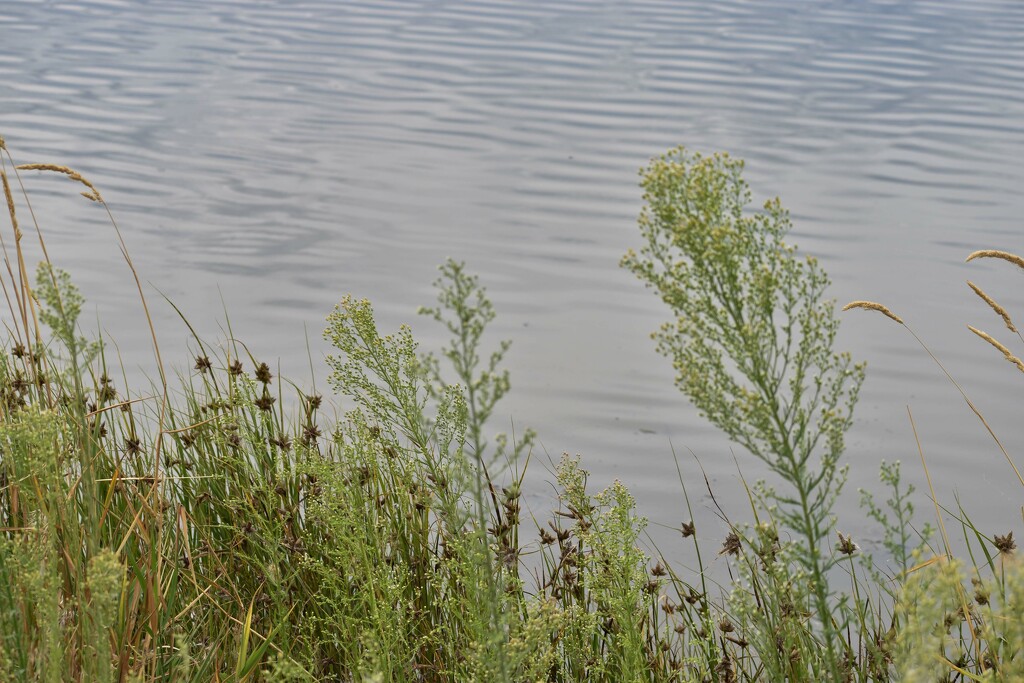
(387, 379)
(752, 340)
(465, 310)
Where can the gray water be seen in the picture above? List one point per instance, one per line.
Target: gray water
(270, 156)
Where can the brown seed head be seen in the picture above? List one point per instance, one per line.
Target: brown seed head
(688, 529)
(10, 205)
(265, 402)
(725, 670)
(872, 306)
(846, 544)
(981, 594)
(667, 606)
(731, 545)
(995, 253)
(999, 310)
(310, 433)
(1005, 544)
(1002, 349)
(93, 194)
(263, 373)
(742, 642)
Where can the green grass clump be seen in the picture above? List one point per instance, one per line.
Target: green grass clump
(228, 525)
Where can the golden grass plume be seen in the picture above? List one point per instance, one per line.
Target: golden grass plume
(873, 306)
(1002, 349)
(995, 253)
(999, 310)
(10, 203)
(93, 194)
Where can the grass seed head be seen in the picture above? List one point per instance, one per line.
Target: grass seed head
(873, 306)
(93, 194)
(999, 310)
(995, 253)
(1002, 349)
(10, 204)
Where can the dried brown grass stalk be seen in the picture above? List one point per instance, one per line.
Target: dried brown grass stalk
(10, 204)
(18, 290)
(872, 306)
(20, 283)
(999, 310)
(994, 253)
(1002, 349)
(92, 195)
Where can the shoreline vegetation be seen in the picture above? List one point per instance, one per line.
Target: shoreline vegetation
(219, 526)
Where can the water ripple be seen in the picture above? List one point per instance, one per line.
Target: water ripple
(289, 151)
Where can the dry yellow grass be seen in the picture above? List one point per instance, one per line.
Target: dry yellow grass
(999, 310)
(93, 194)
(10, 204)
(1002, 349)
(995, 253)
(873, 306)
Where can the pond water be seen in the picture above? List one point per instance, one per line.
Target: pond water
(268, 157)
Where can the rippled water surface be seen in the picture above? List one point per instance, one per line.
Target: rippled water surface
(271, 156)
